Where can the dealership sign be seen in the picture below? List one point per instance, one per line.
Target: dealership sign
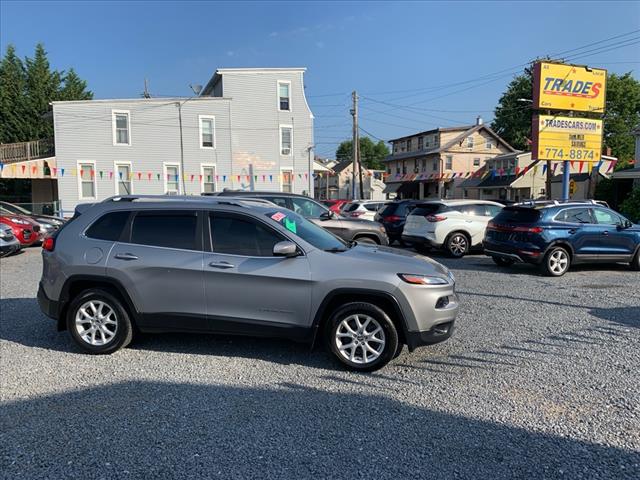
(566, 138)
(569, 87)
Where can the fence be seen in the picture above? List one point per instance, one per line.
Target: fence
(18, 152)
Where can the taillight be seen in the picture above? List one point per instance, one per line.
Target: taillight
(392, 218)
(49, 244)
(435, 218)
(508, 228)
(356, 214)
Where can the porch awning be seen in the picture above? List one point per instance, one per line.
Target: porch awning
(391, 187)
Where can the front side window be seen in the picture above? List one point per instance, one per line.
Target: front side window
(172, 179)
(306, 230)
(287, 181)
(207, 132)
(492, 210)
(307, 208)
(605, 217)
(124, 179)
(242, 236)
(449, 162)
(121, 128)
(208, 179)
(87, 175)
(168, 229)
(473, 210)
(108, 227)
(284, 92)
(286, 133)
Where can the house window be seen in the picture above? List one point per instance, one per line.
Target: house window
(435, 165)
(489, 144)
(402, 146)
(121, 134)
(87, 177)
(476, 162)
(449, 162)
(409, 145)
(284, 92)
(435, 141)
(207, 131)
(123, 179)
(286, 132)
(424, 164)
(427, 142)
(395, 148)
(171, 179)
(404, 167)
(469, 142)
(208, 184)
(397, 170)
(420, 143)
(287, 181)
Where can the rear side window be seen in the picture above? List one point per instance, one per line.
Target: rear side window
(372, 207)
(473, 210)
(280, 201)
(428, 209)
(170, 230)
(351, 207)
(108, 227)
(575, 215)
(238, 236)
(517, 215)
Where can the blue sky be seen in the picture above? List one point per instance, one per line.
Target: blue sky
(386, 51)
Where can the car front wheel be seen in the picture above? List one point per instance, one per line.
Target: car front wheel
(556, 262)
(457, 245)
(362, 336)
(98, 322)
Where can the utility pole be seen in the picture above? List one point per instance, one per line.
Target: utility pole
(146, 93)
(355, 147)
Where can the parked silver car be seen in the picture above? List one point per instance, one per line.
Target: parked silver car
(237, 266)
(8, 242)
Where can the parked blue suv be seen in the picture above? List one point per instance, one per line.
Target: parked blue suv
(556, 235)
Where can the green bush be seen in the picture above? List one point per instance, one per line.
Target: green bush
(631, 206)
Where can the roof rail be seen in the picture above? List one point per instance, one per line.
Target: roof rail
(239, 201)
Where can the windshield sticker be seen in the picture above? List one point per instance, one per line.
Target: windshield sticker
(290, 225)
(278, 216)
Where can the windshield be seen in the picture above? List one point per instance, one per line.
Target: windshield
(8, 208)
(308, 231)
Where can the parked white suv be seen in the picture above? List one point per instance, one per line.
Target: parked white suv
(455, 225)
(365, 209)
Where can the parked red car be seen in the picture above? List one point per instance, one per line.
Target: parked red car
(24, 229)
(335, 205)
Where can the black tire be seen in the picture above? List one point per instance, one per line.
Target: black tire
(367, 240)
(556, 262)
(358, 362)
(457, 244)
(503, 262)
(123, 330)
(635, 263)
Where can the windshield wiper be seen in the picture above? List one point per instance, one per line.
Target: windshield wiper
(352, 243)
(335, 250)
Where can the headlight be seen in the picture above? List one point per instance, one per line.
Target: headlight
(422, 279)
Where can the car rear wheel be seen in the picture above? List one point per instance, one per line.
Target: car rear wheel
(503, 262)
(556, 262)
(635, 263)
(366, 240)
(457, 244)
(98, 322)
(362, 336)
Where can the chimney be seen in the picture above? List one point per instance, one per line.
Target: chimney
(479, 120)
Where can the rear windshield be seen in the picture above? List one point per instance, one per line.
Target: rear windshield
(428, 209)
(517, 215)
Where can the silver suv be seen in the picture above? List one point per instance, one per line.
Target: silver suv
(237, 266)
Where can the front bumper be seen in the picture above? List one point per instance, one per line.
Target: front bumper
(9, 246)
(49, 307)
(438, 333)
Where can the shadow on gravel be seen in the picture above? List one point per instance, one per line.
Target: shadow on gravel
(627, 316)
(22, 322)
(175, 430)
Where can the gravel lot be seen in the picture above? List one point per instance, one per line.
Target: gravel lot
(539, 381)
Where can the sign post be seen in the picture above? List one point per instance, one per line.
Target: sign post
(557, 86)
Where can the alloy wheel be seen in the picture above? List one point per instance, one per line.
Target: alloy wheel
(558, 262)
(96, 323)
(360, 339)
(458, 245)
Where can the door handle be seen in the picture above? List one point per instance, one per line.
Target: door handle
(221, 265)
(606, 232)
(126, 256)
(572, 231)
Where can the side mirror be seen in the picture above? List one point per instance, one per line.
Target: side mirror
(328, 215)
(285, 249)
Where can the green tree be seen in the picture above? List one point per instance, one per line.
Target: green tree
(26, 90)
(74, 87)
(512, 116)
(372, 154)
(631, 205)
(13, 124)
